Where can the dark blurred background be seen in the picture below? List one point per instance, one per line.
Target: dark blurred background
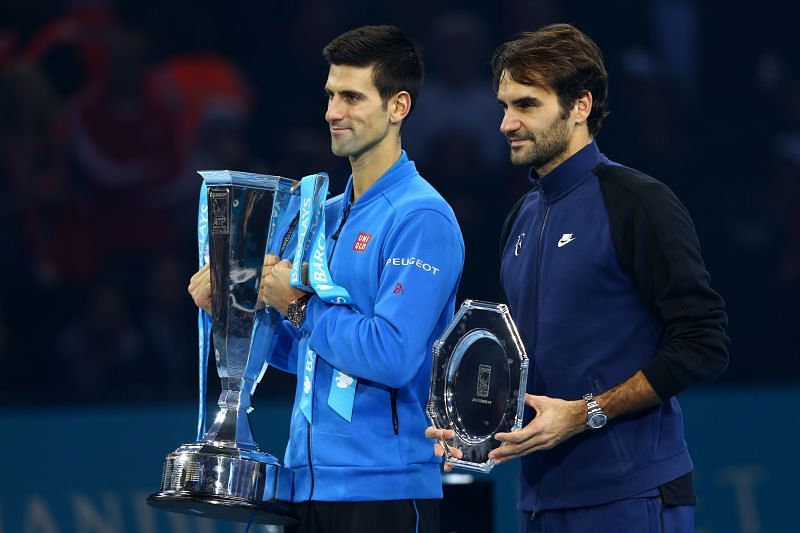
(107, 109)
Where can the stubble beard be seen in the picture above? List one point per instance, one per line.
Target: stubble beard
(357, 144)
(342, 148)
(545, 149)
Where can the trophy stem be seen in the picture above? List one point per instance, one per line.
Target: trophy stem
(232, 426)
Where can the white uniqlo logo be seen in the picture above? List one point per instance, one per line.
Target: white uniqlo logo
(565, 239)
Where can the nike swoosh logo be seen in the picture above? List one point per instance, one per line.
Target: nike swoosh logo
(562, 242)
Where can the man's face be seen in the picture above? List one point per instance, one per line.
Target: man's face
(537, 128)
(356, 115)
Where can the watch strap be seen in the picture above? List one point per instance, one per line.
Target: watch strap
(296, 313)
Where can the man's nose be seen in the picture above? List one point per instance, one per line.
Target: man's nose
(508, 124)
(334, 111)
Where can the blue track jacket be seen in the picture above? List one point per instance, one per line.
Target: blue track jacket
(399, 252)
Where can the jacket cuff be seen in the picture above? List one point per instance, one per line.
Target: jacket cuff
(314, 308)
(664, 382)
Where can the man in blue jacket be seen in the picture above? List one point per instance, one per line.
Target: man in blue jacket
(603, 274)
(360, 460)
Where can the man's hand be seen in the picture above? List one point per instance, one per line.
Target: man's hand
(270, 261)
(438, 448)
(278, 294)
(556, 421)
(200, 288)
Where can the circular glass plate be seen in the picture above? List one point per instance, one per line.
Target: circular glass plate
(478, 384)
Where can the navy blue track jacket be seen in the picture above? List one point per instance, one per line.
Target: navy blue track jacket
(603, 274)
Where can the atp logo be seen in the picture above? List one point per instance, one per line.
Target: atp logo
(398, 289)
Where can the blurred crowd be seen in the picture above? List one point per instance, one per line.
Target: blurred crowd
(108, 109)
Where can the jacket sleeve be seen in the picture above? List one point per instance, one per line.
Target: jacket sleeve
(658, 246)
(422, 261)
(282, 348)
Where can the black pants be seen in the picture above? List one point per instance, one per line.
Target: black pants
(391, 516)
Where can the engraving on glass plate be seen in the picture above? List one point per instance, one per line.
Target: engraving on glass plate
(484, 378)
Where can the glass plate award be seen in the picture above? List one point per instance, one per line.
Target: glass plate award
(480, 370)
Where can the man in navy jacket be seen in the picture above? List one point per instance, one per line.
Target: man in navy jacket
(603, 274)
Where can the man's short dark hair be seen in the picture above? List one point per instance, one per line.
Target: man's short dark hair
(395, 58)
(560, 58)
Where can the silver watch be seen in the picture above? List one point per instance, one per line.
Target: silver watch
(596, 417)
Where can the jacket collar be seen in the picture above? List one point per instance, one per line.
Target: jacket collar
(397, 173)
(568, 174)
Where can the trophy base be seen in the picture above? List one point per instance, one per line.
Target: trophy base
(223, 508)
(225, 483)
(484, 467)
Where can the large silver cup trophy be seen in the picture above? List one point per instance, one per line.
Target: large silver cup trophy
(225, 474)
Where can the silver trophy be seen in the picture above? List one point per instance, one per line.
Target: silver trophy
(480, 370)
(225, 475)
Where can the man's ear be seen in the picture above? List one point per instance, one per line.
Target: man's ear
(583, 107)
(399, 106)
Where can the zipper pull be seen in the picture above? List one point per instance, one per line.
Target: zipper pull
(336, 233)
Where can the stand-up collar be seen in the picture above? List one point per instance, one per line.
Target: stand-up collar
(568, 174)
(402, 169)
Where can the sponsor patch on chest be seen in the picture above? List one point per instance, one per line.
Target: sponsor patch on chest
(361, 242)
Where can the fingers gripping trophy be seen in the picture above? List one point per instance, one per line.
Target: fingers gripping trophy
(224, 474)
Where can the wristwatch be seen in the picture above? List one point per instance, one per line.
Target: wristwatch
(596, 417)
(297, 310)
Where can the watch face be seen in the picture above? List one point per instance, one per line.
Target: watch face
(292, 314)
(597, 421)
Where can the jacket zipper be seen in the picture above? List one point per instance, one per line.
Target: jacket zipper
(335, 238)
(539, 276)
(310, 460)
(393, 392)
(288, 234)
(536, 296)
